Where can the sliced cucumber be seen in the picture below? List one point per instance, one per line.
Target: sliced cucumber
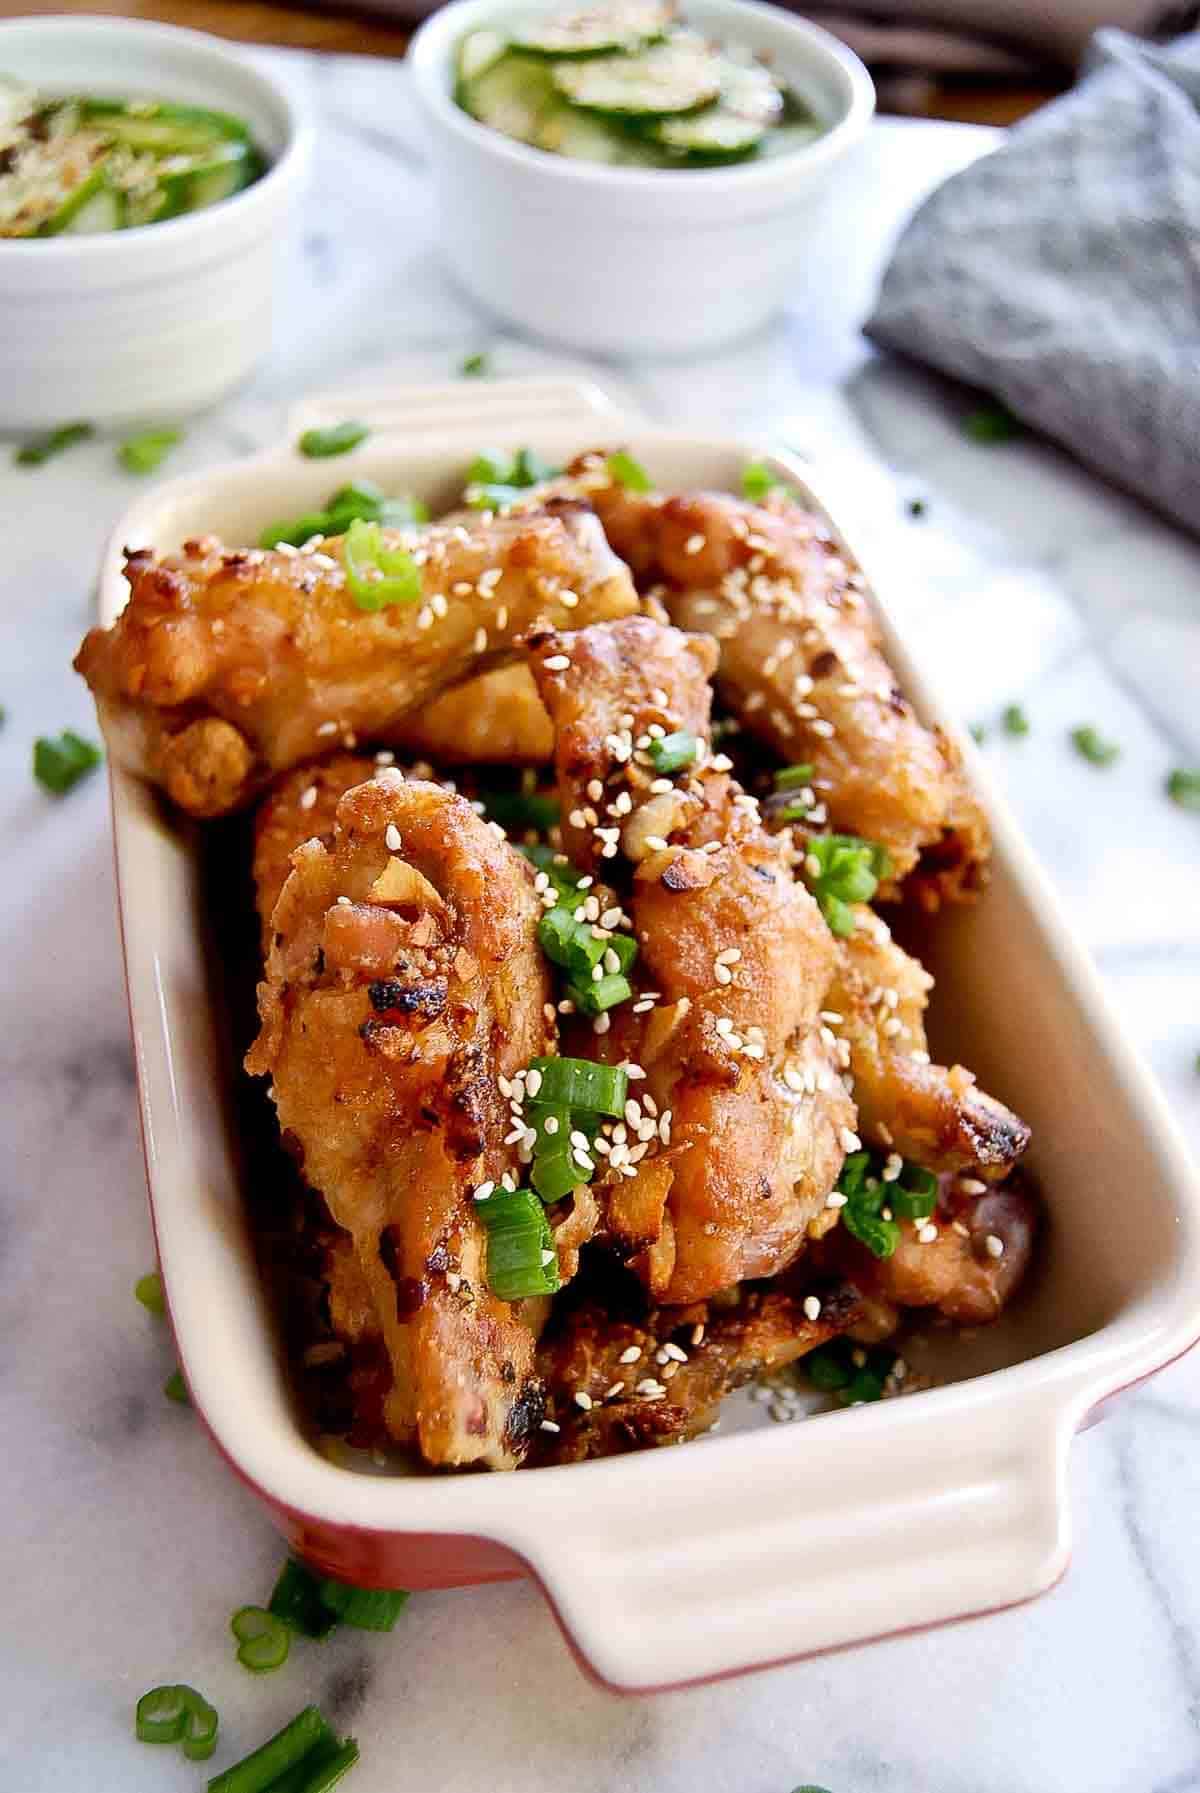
(513, 95)
(734, 128)
(593, 30)
(476, 54)
(667, 79)
(164, 130)
(567, 131)
(102, 210)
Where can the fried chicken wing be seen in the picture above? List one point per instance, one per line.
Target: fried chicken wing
(734, 959)
(302, 806)
(933, 1114)
(496, 719)
(227, 667)
(802, 665)
(403, 979)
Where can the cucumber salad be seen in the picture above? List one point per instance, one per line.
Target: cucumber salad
(628, 83)
(80, 163)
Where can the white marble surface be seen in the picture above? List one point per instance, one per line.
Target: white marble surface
(128, 1544)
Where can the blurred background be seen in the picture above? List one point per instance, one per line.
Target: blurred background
(986, 61)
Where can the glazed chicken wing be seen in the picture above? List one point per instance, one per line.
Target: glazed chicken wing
(733, 963)
(404, 978)
(227, 667)
(496, 719)
(802, 665)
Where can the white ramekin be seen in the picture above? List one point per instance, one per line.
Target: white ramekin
(621, 260)
(144, 325)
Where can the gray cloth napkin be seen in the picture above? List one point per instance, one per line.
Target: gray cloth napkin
(1062, 272)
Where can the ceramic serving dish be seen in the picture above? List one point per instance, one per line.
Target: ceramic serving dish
(764, 1541)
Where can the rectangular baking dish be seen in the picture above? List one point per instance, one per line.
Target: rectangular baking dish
(767, 1541)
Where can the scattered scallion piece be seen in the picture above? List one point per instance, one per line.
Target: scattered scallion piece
(629, 473)
(519, 809)
(494, 482)
(757, 481)
(177, 1714)
(147, 452)
(1092, 745)
(913, 1195)
(321, 1769)
(521, 1260)
(339, 438)
(579, 1083)
(842, 870)
(978, 733)
(849, 1371)
(367, 1609)
(673, 752)
(296, 1599)
(916, 507)
(58, 765)
(1183, 787)
(790, 778)
(601, 994)
(176, 1389)
(826, 1369)
(474, 367)
(1015, 721)
(991, 422)
(36, 454)
(865, 1197)
(263, 1639)
(305, 1739)
(377, 575)
(149, 1292)
(361, 499)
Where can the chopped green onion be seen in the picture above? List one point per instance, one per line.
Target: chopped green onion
(848, 870)
(177, 1714)
(600, 994)
(146, 453)
(296, 530)
(36, 454)
(788, 778)
(916, 507)
(360, 499)
(852, 1372)
(58, 765)
(880, 1236)
(1094, 747)
(564, 877)
(673, 752)
(321, 1768)
(1015, 721)
(757, 481)
(626, 949)
(992, 422)
(913, 1195)
(263, 1640)
(629, 473)
(521, 1260)
(556, 934)
(367, 1609)
(259, 1772)
(513, 476)
(865, 1384)
(518, 809)
(1183, 787)
(474, 367)
(297, 1599)
(582, 1084)
(340, 438)
(978, 733)
(825, 1369)
(176, 1389)
(554, 1173)
(378, 576)
(149, 1291)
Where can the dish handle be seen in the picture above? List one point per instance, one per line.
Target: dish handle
(485, 410)
(849, 1530)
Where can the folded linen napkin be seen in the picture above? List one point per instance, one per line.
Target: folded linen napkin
(1062, 272)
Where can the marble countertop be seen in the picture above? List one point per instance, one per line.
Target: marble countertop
(128, 1543)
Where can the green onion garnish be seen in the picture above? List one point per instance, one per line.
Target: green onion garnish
(367, 1609)
(579, 1083)
(757, 481)
(834, 1370)
(913, 1195)
(493, 482)
(789, 778)
(361, 499)
(600, 994)
(625, 471)
(521, 1260)
(556, 1170)
(978, 733)
(880, 1236)
(825, 1369)
(842, 870)
(474, 367)
(296, 1599)
(263, 1640)
(177, 1714)
(992, 422)
(916, 507)
(520, 809)
(146, 453)
(321, 1769)
(149, 1291)
(1015, 721)
(176, 1389)
(36, 454)
(1094, 747)
(378, 576)
(58, 765)
(340, 438)
(673, 752)
(1183, 787)
(307, 1739)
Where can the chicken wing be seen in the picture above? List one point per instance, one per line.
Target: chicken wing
(496, 719)
(302, 806)
(226, 667)
(935, 1115)
(802, 664)
(734, 960)
(404, 979)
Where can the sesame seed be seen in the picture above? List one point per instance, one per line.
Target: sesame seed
(630, 1354)
(551, 1124)
(891, 1027)
(660, 786)
(673, 1351)
(548, 1425)
(343, 902)
(462, 588)
(994, 1245)
(893, 1167)
(391, 837)
(822, 728)
(928, 1233)
(595, 790)
(328, 728)
(656, 843)
(601, 1024)
(480, 641)
(309, 797)
(972, 1186)
(484, 1190)
(424, 617)
(812, 1308)
(583, 1400)
(438, 604)
(850, 1141)
(835, 1199)
(547, 1258)
(698, 1332)
(613, 1390)
(695, 544)
(557, 662)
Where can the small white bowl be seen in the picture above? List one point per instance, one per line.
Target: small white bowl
(643, 261)
(144, 325)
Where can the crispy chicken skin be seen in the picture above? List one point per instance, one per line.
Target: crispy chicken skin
(495, 719)
(734, 951)
(802, 665)
(935, 1115)
(688, 1360)
(288, 816)
(227, 667)
(401, 981)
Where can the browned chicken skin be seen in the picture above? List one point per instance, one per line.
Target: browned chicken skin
(402, 980)
(734, 951)
(496, 719)
(226, 667)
